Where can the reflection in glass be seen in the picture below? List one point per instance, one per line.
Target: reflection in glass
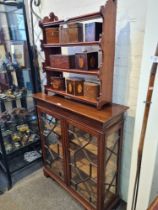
(51, 132)
(83, 163)
(111, 166)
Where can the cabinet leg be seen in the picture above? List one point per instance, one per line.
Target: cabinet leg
(10, 184)
(8, 174)
(45, 174)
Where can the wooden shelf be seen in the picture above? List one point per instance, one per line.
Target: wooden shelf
(75, 71)
(57, 154)
(83, 167)
(57, 168)
(71, 44)
(86, 17)
(78, 98)
(90, 147)
(83, 163)
(57, 148)
(84, 188)
(92, 158)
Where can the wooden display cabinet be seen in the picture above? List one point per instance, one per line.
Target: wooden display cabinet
(82, 148)
(106, 44)
(81, 145)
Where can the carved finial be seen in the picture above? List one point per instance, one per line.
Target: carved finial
(102, 10)
(51, 18)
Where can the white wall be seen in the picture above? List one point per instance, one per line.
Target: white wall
(151, 141)
(129, 42)
(154, 188)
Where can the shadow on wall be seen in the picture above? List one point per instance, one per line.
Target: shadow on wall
(121, 95)
(122, 66)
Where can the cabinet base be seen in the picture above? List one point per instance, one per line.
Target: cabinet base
(75, 195)
(45, 174)
(114, 204)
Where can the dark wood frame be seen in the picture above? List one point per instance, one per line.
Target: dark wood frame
(106, 44)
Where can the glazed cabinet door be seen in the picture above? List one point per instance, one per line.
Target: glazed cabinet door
(113, 144)
(83, 167)
(52, 142)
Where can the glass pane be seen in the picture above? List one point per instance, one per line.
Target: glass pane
(83, 163)
(51, 132)
(18, 120)
(17, 27)
(111, 166)
(16, 84)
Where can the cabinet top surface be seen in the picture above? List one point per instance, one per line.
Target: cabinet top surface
(103, 115)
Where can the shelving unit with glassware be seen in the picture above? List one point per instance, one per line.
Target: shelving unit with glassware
(19, 134)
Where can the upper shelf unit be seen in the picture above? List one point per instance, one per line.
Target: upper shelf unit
(62, 34)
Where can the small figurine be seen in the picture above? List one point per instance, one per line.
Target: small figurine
(15, 62)
(16, 137)
(19, 113)
(25, 139)
(8, 62)
(9, 94)
(16, 145)
(3, 96)
(5, 116)
(33, 137)
(8, 147)
(53, 17)
(23, 128)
